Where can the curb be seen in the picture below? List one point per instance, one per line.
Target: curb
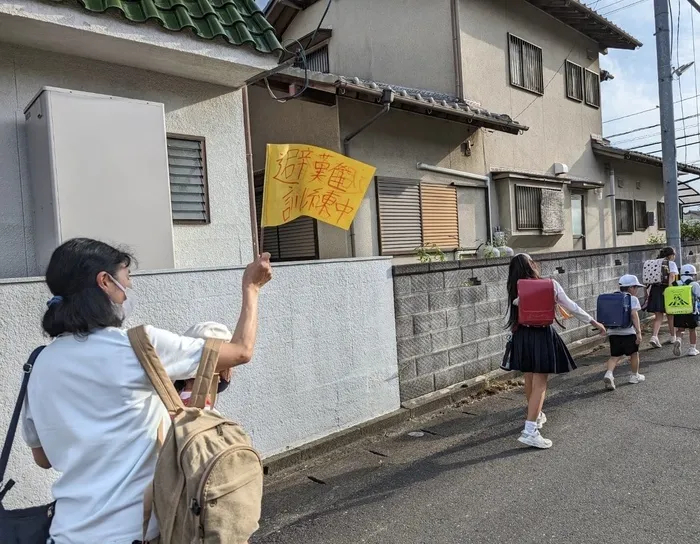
(411, 409)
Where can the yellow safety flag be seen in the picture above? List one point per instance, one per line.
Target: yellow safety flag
(307, 180)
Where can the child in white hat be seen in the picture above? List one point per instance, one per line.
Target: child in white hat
(624, 342)
(205, 330)
(688, 322)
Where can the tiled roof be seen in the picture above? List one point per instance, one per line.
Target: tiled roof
(436, 104)
(686, 193)
(588, 22)
(238, 22)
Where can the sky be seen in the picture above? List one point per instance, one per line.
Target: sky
(635, 89)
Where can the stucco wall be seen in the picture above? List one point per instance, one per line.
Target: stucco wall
(403, 43)
(560, 128)
(639, 182)
(325, 359)
(191, 108)
(301, 122)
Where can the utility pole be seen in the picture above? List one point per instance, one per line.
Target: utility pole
(668, 127)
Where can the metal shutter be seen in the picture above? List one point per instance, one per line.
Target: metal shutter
(188, 180)
(293, 241)
(399, 216)
(316, 61)
(439, 215)
(528, 202)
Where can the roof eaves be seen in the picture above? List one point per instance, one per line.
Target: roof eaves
(589, 22)
(602, 146)
(237, 22)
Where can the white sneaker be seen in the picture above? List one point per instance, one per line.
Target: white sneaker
(535, 440)
(541, 420)
(654, 341)
(609, 381)
(692, 352)
(677, 347)
(636, 378)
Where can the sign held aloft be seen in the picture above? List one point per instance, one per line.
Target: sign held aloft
(307, 180)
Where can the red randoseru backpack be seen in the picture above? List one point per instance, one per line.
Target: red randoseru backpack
(536, 303)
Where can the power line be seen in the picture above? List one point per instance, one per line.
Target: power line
(695, 64)
(658, 143)
(622, 8)
(677, 147)
(646, 136)
(647, 111)
(651, 126)
(678, 62)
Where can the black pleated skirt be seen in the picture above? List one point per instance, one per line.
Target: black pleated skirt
(540, 350)
(656, 299)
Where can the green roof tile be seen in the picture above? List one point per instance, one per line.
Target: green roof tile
(239, 22)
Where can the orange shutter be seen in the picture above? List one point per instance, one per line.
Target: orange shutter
(439, 216)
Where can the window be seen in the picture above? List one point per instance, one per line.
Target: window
(528, 208)
(414, 214)
(293, 241)
(189, 195)
(317, 61)
(574, 81)
(661, 216)
(592, 89)
(577, 216)
(525, 65)
(641, 222)
(624, 209)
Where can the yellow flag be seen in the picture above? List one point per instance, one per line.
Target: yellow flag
(306, 180)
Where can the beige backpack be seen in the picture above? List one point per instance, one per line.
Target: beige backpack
(207, 487)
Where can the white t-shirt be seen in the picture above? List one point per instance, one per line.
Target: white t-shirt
(92, 408)
(634, 305)
(673, 268)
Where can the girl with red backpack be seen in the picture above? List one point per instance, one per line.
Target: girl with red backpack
(538, 351)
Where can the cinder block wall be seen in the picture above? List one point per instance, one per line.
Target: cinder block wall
(450, 316)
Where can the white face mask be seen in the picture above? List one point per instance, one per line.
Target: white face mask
(127, 307)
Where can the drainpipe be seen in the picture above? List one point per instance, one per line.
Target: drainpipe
(467, 175)
(457, 50)
(611, 196)
(251, 176)
(386, 101)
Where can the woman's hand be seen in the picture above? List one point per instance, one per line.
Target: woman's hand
(258, 273)
(600, 327)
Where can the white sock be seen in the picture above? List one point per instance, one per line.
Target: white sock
(673, 339)
(692, 346)
(609, 374)
(530, 427)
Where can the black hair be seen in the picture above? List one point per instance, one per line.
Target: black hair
(79, 305)
(666, 252)
(520, 269)
(625, 289)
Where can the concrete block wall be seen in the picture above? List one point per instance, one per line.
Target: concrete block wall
(450, 316)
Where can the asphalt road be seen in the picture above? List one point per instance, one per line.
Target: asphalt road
(623, 469)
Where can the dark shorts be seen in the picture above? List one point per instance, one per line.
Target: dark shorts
(685, 321)
(623, 345)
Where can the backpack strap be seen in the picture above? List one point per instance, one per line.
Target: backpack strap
(147, 356)
(206, 381)
(14, 421)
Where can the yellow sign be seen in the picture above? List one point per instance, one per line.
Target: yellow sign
(307, 180)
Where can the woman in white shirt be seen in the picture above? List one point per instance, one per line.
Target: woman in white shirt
(655, 299)
(537, 351)
(91, 412)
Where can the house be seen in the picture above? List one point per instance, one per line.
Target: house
(485, 111)
(190, 67)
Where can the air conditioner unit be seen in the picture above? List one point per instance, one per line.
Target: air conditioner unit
(99, 169)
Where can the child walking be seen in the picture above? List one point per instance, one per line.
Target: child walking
(687, 322)
(625, 341)
(655, 299)
(538, 351)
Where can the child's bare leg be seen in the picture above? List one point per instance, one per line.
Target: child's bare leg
(658, 320)
(612, 363)
(634, 363)
(671, 330)
(693, 337)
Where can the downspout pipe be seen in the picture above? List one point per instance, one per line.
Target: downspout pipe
(611, 196)
(466, 175)
(386, 101)
(257, 250)
(457, 50)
